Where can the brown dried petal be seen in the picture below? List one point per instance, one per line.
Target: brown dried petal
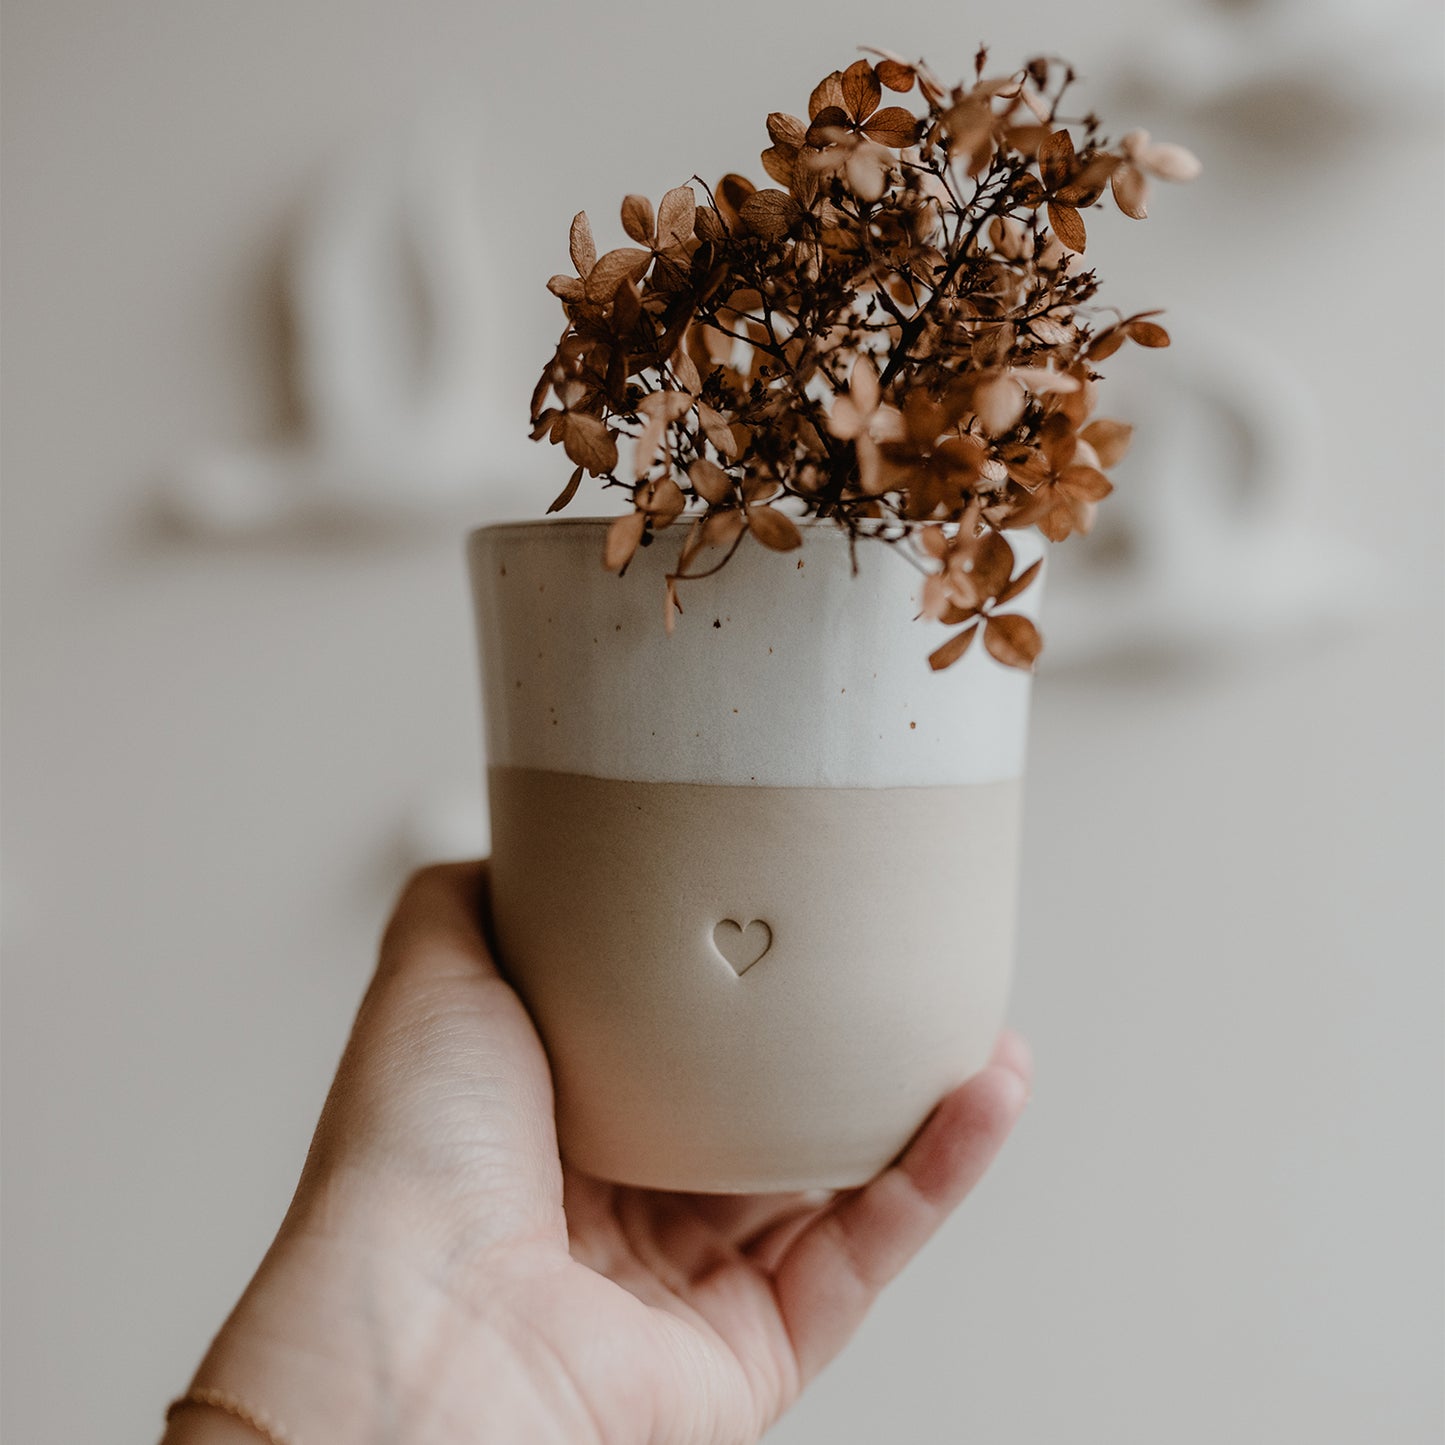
(665, 406)
(780, 163)
(828, 127)
(969, 125)
(670, 274)
(574, 394)
(730, 193)
(1010, 238)
(953, 615)
(649, 443)
(1110, 439)
(1131, 192)
(1146, 333)
(664, 500)
(721, 529)
(1013, 640)
(676, 217)
(626, 308)
(686, 372)
(892, 126)
(786, 130)
(774, 529)
(1068, 226)
(828, 91)
(953, 649)
(717, 430)
(637, 219)
(1050, 331)
(867, 172)
(1084, 484)
(1088, 182)
(998, 404)
(1057, 442)
(846, 420)
(960, 456)
(1027, 468)
(624, 264)
(710, 482)
(805, 187)
(1057, 159)
(934, 541)
(1041, 380)
(863, 385)
(861, 91)
(1027, 191)
(568, 288)
(770, 214)
(993, 345)
(935, 597)
(993, 565)
(873, 476)
(1170, 162)
(710, 225)
(623, 537)
(589, 443)
(895, 75)
(1026, 139)
(581, 245)
(1020, 583)
(567, 492)
(1058, 521)
(1106, 343)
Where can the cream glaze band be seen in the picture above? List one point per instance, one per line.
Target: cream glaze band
(786, 669)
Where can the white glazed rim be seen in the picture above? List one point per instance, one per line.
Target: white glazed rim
(821, 683)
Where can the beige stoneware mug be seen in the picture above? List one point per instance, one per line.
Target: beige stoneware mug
(755, 880)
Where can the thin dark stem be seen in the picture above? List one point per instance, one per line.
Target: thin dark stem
(716, 567)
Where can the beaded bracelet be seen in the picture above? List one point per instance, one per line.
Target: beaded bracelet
(228, 1404)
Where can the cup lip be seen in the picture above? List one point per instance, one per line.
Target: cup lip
(518, 524)
(820, 526)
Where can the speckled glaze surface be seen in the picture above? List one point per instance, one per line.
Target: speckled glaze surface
(786, 669)
(756, 880)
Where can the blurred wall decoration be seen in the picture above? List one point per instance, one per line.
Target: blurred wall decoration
(1211, 553)
(393, 310)
(225, 740)
(1275, 73)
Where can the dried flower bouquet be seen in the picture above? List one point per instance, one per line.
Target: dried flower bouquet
(898, 336)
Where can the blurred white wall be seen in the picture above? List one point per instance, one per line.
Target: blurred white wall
(1220, 1219)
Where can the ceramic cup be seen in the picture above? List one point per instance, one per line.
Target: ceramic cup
(754, 880)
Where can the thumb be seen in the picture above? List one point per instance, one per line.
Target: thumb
(443, 1091)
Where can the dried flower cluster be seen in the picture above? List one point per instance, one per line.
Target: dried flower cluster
(897, 336)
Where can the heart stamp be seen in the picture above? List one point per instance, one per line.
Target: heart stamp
(742, 947)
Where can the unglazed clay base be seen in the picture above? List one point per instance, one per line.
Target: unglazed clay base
(749, 988)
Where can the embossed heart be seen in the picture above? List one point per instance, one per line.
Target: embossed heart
(742, 947)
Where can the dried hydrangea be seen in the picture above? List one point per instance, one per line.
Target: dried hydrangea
(898, 335)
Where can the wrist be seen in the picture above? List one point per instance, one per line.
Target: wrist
(344, 1338)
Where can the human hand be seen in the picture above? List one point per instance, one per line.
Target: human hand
(442, 1277)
